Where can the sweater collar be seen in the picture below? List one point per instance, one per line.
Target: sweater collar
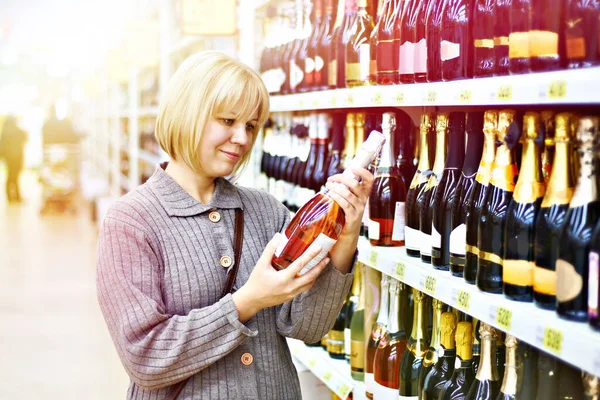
(177, 202)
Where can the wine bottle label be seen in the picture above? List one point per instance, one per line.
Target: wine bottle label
(335, 342)
(366, 213)
(384, 392)
(484, 173)
(425, 244)
(283, 241)
(296, 75)
(364, 57)
(326, 243)
(373, 230)
(518, 45)
(593, 280)
(357, 355)
(449, 50)
(544, 281)
(332, 73)
(399, 221)
(309, 65)
(576, 48)
(543, 44)
(421, 56)
(458, 240)
(528, 192)
(369, 382)
(436, 238)
(503, 177)
(501, 41)
(273, 79)
(483, 43)
(318, 64)
(352, 71)
(385, 58)
(412, 237)
(518, 272)
(569, 283)
(347, 341)
(407, 62)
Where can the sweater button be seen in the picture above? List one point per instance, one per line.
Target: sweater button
(247, 359)
(214, 216)
(225, 261)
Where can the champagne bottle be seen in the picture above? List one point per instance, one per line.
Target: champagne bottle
(350, 16)
(574, 246)
(518, 266)
(425, 202)
(357, 332)
(431, 355)
(460, 202)
(591, 385)
(388, 195)
(500, 353)
(551, 217)
(446, 191)
(358, 49)
(477, 199)
(462, 377)
(492, 221)
(412, 234)
(546, 41)
(486, 385)
(476, 346)
(547, 368)
(510, 381)
(549, 134)
(321, 220)
(335, 336)
(351, 306)
(443, 369)
(416, 348)
(594, 279)
(377, 333)
(390, 351)
(528, 382)
(519, 38)
(484, 63)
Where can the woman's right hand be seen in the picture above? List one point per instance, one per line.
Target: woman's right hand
(267, 287)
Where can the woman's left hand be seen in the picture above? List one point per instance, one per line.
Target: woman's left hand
(352, 196)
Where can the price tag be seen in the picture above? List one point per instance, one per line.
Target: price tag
(557, 89)
(465, 96)
(333, 100)
(350, 99)
(463, 299)
(504, 318)
(400, 270)
(316, 102)
(312, 364)
(327, 376)
(344, 391)
(373, 258)
(429, 287)
(399, 97)
(504, 93)
(300, 103)
(377, 98)
(432, 97)
(553, 339)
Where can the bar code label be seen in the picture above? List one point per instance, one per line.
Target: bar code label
(504, 318)
(553, 339)
(400, 270)
(463, 300)
(373, 257)
(429, 286)
(377, 98)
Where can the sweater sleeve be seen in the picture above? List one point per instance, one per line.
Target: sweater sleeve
(157, 349)
(310, 315)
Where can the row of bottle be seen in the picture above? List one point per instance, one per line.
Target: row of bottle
(405, 41)
(448, 354)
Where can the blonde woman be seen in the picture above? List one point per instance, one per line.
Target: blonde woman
(165, 250)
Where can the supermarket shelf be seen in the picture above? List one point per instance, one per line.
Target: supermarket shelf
(335, 374)
(558, 87)
(540, 328)
(149, 157)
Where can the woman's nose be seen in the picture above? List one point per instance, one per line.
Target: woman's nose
(240, 135)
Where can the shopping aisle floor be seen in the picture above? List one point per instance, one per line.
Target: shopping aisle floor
(54, 344)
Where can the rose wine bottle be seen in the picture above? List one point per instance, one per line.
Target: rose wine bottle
(433, 39)
(443, 369)
(387, 43)
(321, 220)
(377, 333)
(416, 348)
(332, 52)
(351, 306)
(421, 43)
(431, 355)
(320, 172)
(484, 60)
(321, 75)
(456, 40)
(462, 377)
(408, 34)
(358, 49)
(346, 33)
(486, 384)
(582, 33)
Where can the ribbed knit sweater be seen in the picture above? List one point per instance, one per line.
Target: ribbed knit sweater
(159, 280)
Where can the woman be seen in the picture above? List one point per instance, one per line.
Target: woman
(162, 248)
(12, 147)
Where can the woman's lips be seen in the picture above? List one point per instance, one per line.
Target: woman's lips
(231, 156)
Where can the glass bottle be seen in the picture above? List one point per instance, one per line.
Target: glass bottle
(350, 148)
(358, 49)
(582, 29)
(416, 348)
(288, 46)
(320, 220)
(311, 47)
(412, 233)
(401, 146)
(421, 42)
(547, 368)
(484, 18)
(311, 162)
(492, 220)
(332, 52)
(527, 357)
(553, 211)
(431, 355)
(476, 346)
(574, 245)
(518, 40)
(443, 369)
(570, 384)
(425, 202)
(387, 44)
(500, 353)
(594, 279)
(460, 202)
(549, 133)
(519, 264)
(321, 78)
(510, 381)
(377, 333)
(486, 384)
(388, 195)
(389, 353)
(477, 199)
(351, 306)
(501, 36)
(337, 145)
(545, 50)
(433, 39)
(463, 376)
(348, 25)
(446, 191)
(357, 333)
(456, 40)
(299, 51)
(320, 172)
(591, 385)
(408, 34)
(335, 336)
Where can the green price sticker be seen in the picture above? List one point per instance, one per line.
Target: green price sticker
(350, 99)
(463, 300)
(400, 270)
(557, 89)
(504, 318)
(465, 96)
(504, 93)
(432, 97)
(373, 257)
(377, 98)
(344, 391)
(553, 339)
(400, 98)
(429, 287)
(327, 376)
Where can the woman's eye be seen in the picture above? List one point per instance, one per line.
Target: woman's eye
(228, 121)
(250, 128)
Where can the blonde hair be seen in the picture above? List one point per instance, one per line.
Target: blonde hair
(207, 84)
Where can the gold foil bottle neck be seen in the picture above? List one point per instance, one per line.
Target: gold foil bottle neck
(388, 121)
(441, 123)
(531, 124)
(426, 122)
(564, 127)
(505, 118)
(487, 331)
(464, 340)
(591, 385)
(394, 288)
(448, 330)
(437, 305)
(360, 119)
(490, 122)
(351, 119)
(587, 130)
(417, 296)
(511, 342)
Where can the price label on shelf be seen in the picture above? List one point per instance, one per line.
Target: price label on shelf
(350, 99)
(333, 100)
(373, 257)
(429, 286)
(312, 363)
(344, 391)
(300, 104)
(377, 98)
(463, 300)
(504, 318)
(557, 90)
(504, 93)
(315, 102)
(553, 339)
(431, 97)
(327, 375)
(400, 270)
(465, 96)
(400, 97)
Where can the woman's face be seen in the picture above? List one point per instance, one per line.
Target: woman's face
(224, 142)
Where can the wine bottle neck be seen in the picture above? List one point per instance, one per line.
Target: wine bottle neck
(394, 315)
(361, 291)
(586, 190)
(437, 318)
(440, 151)
(487, 364)
(417, 343)
(456, 144)
(382, 317)
(474, 151)
(484, 172)
(530, 185)
(424, 161)
(339, 17)
(351, 6)
(562, 179)
(357, 281)
(386, 153)
(510, 380)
